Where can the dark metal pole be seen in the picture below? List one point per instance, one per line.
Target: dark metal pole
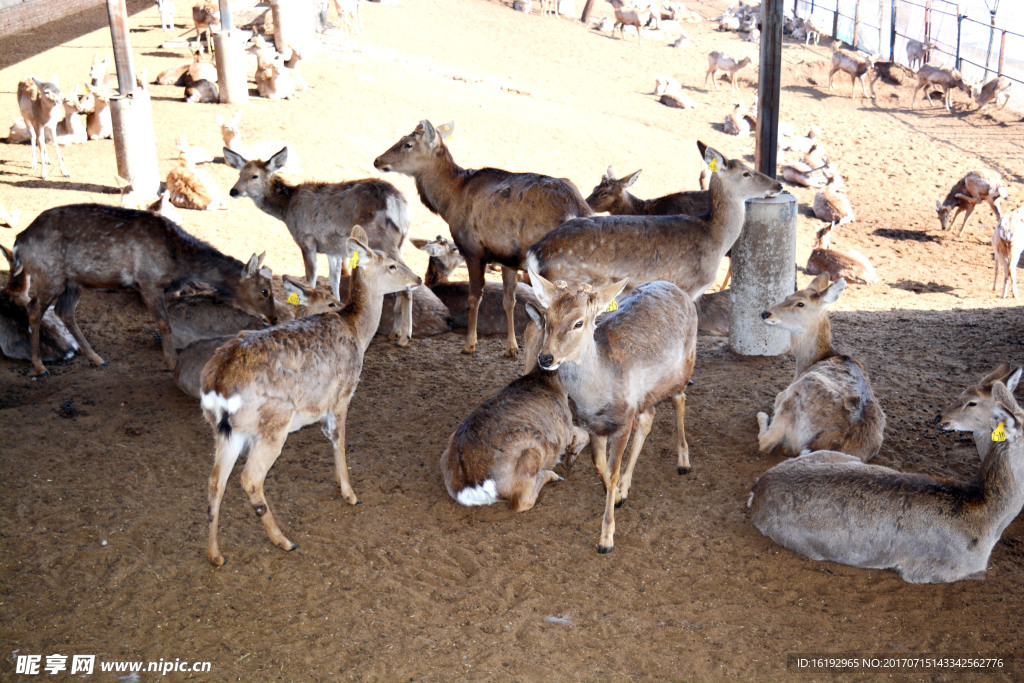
(768, 88)
(225, 16)
(585, 17)
(892, 34)
(117, 13)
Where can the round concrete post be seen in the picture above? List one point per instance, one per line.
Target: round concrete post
(231, 67)
(763, 273)
(294, 26)
(134, 143)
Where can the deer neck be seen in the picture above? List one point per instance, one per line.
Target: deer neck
(437, 184)
(276, 197)
(727, 214)
(1001, 479)
(364, 307)
(632, 206)
(435, 274)
(812, 345)
(584, 377)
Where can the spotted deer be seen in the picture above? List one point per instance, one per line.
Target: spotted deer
(972, 409)
(616, 371)
(612, 195)
(831, 506)
(494, 215)
(261, 386)
(830, 404)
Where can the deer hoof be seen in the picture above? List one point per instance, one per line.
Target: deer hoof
(605, 549)
(619, 504)
(216, 560)
(468, 350)
(512, 353)
(683, 470)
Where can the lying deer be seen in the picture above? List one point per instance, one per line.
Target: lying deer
(831, 204)
(853, 63)
(494, 215)
(972, 409)
(719, 61)
(320, 217)
(980, 185)
(685, 250)
(42, 107)
(830, 405)
(191, 187)
(616, 371)
(507, 447)
(611, 195)
(243, 382)
(55, 342)
(96, 107)
(231, 132)
(830, 506)
(945, 78)
(850, 265)
(1007, 246)
(94, 245)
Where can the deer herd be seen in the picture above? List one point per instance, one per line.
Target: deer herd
(609, 326)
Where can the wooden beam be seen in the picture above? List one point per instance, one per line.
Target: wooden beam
(769, 88)
(117, 13)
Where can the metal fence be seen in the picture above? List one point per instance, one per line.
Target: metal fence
(883, 27)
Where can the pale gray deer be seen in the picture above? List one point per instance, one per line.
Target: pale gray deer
(830, 404)
(856, 64)
(42, 107)
(719, 61)
(943, 77)
(684, 250)
(320, 216)
(315, 363)
(831, 506)
(616, 371)
(1007, 246)
(93, 245)
(917, 53)
(972, 409)
(494, 215)
(977, 186)
(55, 341)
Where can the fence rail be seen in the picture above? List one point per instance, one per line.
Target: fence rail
(884, 27)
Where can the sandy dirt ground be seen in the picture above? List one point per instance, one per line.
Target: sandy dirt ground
(103, 470)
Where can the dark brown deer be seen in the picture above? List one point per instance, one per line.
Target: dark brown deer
(56, 343)
(94, 245)
(494, 215)
(611, 195)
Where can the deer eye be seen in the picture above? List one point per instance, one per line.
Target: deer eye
(578, 325)
(746, 174)
(255, 177)
(408, 145)
(972, 404)
(392, 267)
(799, 304)
(265, 294)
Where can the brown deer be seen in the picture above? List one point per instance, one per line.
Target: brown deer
(855, 64)
(851, 265)
(830, 404)
(616, 371)
(972, 409)
(191, 187)
(1007, 246)
(206, 17)
(320, 217)
(93, 245)
(685, 250)
(243, 382)
(96, 107)
(979, 185)
(719, 61)
(42, 107)
(494, 215)
(55, 344)
(611, 195)
(943, 77)
(996, 91)
(831, 506)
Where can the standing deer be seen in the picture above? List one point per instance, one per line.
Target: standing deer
(945, 78)
(830, 506)
(56, 342)
(917, 53)
(42, 108)
(166, 9)
(206, 17)
(719, 61)
(855, 64)
(320, 217)
(494, 215)
(830, 405)
(977, 186)
(627, 17)
(261, 386)
(1007, 246)
(616, 371)
(972, 409)
(93, 245)
(685, 250)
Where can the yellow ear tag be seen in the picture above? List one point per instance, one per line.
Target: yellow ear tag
(293, 298)
(999, 433)
(353, 260)
(713, 165)
(613, 306)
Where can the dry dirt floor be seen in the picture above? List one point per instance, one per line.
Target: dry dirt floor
(103, 470)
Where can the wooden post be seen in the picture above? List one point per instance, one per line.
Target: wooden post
(768, 88)
(585, 17)
(230, 58)
(856, 24)
(117, 14)
(892, 35)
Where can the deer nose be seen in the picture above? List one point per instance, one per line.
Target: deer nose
(545, 360)
(380, 165)
(765, 315)
(234, 192)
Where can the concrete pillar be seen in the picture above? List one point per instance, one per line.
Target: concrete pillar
(763, 273)
(134, 142)
(294, 26)
(231, 68)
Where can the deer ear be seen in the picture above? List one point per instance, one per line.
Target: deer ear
(713, 158)
(630, 179)
(609, 175)
(446, 129)
(277, 162)
(298, 292)
(1006, 411)
(536, 315)
(357, 246)
(834, 290)
(253, 266)
(1012, 380)
(604, 296)
(428, 132)
(544, 289)
(418, 242)
(999, 373)
(234, 159)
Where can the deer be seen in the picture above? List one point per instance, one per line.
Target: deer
(206, 17)
(445, 257)
(274, 80)
(1007, 245)
(811, 29)
(719, 61)
(831, 506)
(55, 341)
(977, 186)
(614, 389)
(855, 64)
(94, 245)
(191, 187)
(41, 106)
(850, 265)
(494, 215)
(831, 204)
(808, 172)
(187, 74)
(611, 195)
(917, 53)
(71, 130)
(231, 132)
(995, 91)
(549, 7)
(738, 121)
(320, 216)
(507, 448)
(96, 107)
(627, 17)
(945, 78)
(972, 409)
(684, 250)
(166, 9)
(350, 15)
(242, 385)
(201, 325)
(202, 91)
(830, 405)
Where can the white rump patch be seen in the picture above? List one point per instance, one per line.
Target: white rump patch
(531, 262)
(217, 404)
(484, 494)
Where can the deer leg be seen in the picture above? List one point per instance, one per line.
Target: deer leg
(682, 448)
(228, 450)
(334, 429)
(334, 272)
(32, 139)
(401, 330)
(640, 431)
(769, 435)
(831, 75)
(728, 275)
(36, 308)
(155, 302)
(508, 300)
(262, 456)
(967, 214)
(60, 159)
(65, 309)
(476, 287)
(599, 453)
(617, 446)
